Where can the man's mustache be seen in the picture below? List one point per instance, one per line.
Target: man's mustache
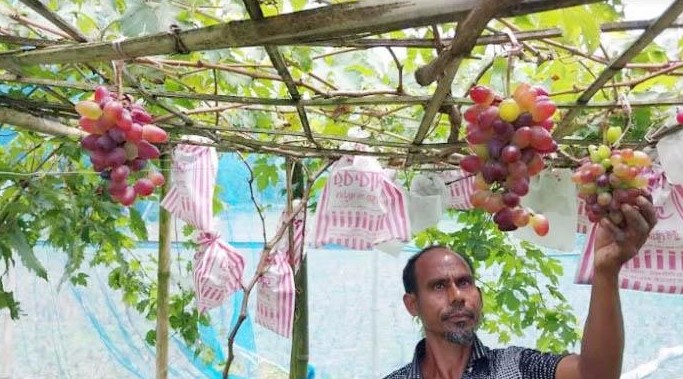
(457, 312)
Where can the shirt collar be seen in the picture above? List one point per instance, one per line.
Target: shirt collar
(478, 352)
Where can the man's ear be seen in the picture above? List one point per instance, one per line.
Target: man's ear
(410, 301)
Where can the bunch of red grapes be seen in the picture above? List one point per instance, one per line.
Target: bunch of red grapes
(610, 178)
(508, 138)
(120, 143)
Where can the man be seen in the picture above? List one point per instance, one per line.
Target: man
(441, 291)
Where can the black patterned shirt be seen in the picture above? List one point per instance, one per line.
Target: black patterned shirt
(509, 363)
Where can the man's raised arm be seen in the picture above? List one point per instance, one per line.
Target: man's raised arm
(602, 346)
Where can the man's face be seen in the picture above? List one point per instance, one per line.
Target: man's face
(447, 300)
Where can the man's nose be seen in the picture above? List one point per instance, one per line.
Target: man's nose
(455, 294)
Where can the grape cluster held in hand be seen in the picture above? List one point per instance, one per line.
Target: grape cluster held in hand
(610, 178)
(508, 138)
(120, 143)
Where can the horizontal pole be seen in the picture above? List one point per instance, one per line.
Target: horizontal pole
(431, 43)
(37, 124)
(320, 102)
(362, 17)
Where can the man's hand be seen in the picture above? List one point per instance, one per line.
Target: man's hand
(614, 245)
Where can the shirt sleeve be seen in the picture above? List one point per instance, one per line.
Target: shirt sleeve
(536, 365)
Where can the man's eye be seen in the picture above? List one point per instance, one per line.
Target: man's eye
(464, 282)
(439, 286)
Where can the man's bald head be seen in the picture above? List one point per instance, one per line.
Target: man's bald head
(409, 276)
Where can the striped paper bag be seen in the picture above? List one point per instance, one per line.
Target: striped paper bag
(275, 296)
(460, 186)
(360, 208)
(193, 178)
(658, 266)
(583, 224)
(218, 270)
(294, 255)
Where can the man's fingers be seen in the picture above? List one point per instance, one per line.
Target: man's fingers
(617, 233)
(634, 219)
(647, 210)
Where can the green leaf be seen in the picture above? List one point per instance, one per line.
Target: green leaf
(148, 17)
(17, 239)
(137, 225)
(151, 337)
(653, 53)
(80, 280)
(298, 5)
(7, 302)
(580, 25)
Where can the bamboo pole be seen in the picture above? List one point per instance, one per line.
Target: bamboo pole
(55, 19)
(254, 9)
(163, 274)
(428, 43)
(37, 124)
(298, 364)
(329, 22)
(445, 66)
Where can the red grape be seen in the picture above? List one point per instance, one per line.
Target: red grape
(540, 224)
(520, 217)
(517, 169)
(125, 121)
(157, 178)
(120, 173)
(144, 187)
(479, 198)
(128, 197)
(154, 134)
(511, 199)
(106, 143)
(482, 95)
(117, 187)
(541, 138)
(487, 117)
(535, 165)
(471, 114)
(140, 116)
(116, 157)
(471, 164)
(511, 153)
(522, 137)
(520, 186)
(112, 111)
(524, 119)
(495, 148)
(478, 137)
(547, 124)
(147, 151)
(138, 164)
(117, 135)
(543, 110)
(100, 93)
(134, 134)
(89, 142)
